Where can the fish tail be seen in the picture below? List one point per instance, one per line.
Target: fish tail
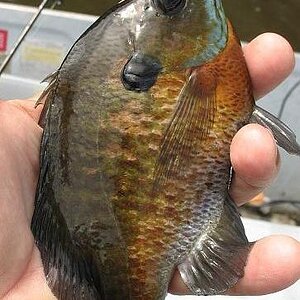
(217, 259)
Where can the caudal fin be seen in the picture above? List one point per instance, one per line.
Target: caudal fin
(218, 258)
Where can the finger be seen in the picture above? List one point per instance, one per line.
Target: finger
(273, 265)
(255, 161)
(270, 59)
(28, 107)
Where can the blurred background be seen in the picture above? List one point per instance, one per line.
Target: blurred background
(250, 17)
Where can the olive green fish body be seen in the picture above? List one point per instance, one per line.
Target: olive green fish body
(135, 172)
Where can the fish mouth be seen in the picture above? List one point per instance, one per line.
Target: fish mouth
(169, 7)
(140, 72)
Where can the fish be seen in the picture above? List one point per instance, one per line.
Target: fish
(134, 160)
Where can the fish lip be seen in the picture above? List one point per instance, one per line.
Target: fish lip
(169, 7)
(140, 72)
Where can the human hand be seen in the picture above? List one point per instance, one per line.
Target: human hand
(274, 262)
(21, 270)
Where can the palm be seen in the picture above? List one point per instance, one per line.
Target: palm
(19, 148)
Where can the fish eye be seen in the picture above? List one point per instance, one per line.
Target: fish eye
(140, 72)
(169, 7)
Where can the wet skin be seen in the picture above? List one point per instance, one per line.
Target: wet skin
(21, 271)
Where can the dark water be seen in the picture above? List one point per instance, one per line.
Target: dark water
(250, 17)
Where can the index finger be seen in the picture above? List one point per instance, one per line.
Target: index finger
(270, 59)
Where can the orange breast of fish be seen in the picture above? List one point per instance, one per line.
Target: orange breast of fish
(160, 227)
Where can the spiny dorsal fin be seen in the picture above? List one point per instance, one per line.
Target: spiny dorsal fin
(46, 95)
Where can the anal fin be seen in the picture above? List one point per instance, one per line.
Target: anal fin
(218, 258)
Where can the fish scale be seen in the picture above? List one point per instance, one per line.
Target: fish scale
(135, 163)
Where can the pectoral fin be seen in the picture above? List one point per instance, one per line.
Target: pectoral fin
(217, 260)
(283, 135)
(190, 124)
